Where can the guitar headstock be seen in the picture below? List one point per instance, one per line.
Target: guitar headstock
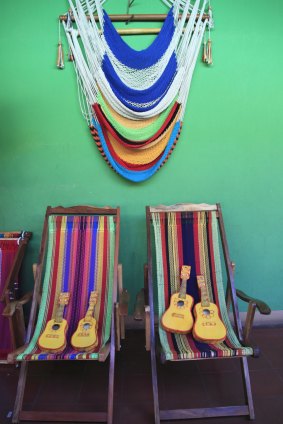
(185, 272)
(93, 297)
(64, 298)
(200, 281)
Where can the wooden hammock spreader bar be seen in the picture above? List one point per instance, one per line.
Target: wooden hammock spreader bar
(159, 17)
(136, 31)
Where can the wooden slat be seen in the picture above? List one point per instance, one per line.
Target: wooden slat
(85, 209)
(138, 17)
(225, 411)
(183, 207)
(63, 416)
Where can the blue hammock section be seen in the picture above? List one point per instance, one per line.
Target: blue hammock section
(144, 58)
(152, 94)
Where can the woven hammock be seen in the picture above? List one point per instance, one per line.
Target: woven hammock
(134, 101)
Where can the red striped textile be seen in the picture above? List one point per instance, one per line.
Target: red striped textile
(8, 251)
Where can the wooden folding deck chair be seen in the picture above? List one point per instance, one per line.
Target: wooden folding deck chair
(78, 256)
(12, 326)
(194, 235)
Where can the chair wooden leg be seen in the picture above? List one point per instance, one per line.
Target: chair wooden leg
(117, 327)
(120, 288)
(20, 392)
(147, 328)
(247, 386)
(111, 378)
(155, 386)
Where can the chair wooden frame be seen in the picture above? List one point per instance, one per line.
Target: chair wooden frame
(236, 410)
(13, 310)
(114, 344)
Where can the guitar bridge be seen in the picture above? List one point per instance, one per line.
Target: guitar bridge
(177, 315)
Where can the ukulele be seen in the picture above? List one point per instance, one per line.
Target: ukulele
(53, 338)
(85, 336)
(178, 317)
(208, 326)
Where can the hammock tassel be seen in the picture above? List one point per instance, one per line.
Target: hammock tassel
(204, 54)
(209, 52)
(70, 55)
(60, 56)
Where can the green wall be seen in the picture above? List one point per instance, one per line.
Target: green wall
(230, 149)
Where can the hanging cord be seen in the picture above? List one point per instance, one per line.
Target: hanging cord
(69, 24)
(60, 53)
(207, 44)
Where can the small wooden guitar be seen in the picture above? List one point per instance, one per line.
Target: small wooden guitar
(85, 336)
(178, 317)
(53, 338)
(208, 326)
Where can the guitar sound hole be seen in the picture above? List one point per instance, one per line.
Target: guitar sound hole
(206, 312)
(55, 327)
(180, 303)
(87, 326)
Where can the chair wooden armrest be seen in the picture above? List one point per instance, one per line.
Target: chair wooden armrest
(139, 311)
(262, 307)
(11, 358)
(11, 307)
(124, 299)
(254, 304)
(142, 312)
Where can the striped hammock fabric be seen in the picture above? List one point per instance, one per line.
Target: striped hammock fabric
(135, 173)
(190, 238)
(132, 129)
(134, 143)
(80, 259)
(8, 251)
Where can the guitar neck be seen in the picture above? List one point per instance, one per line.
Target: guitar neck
(183, 288)
(185, 275)
(90, 311)
(59, 313)
(204, 297)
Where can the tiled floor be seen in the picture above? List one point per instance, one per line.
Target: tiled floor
(82, 386)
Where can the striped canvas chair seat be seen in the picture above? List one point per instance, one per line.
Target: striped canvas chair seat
(190, 238)
(79, 259)
(8, 252)
(12, 247)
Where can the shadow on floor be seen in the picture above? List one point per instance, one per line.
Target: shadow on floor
(82, 386)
